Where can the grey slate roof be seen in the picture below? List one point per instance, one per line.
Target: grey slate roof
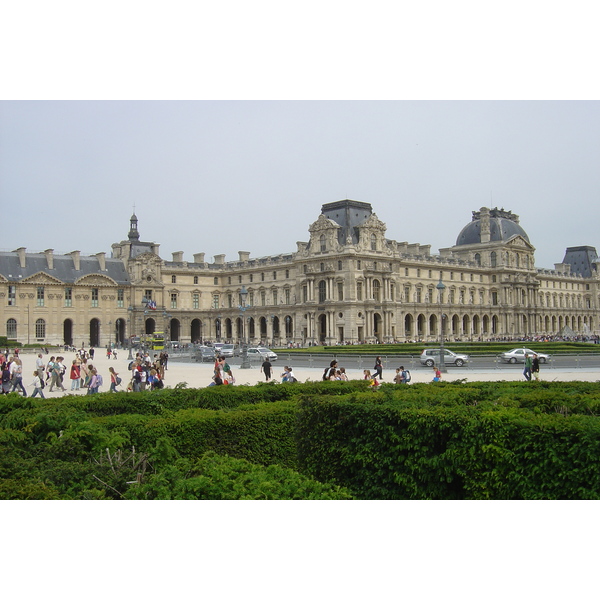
(583, 260)
(501, 229)
(64, 268)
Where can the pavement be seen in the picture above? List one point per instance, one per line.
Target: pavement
(200, 374)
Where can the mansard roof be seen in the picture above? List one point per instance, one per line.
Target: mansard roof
(64, 267)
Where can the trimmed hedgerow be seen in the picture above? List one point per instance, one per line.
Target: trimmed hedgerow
(390, 450)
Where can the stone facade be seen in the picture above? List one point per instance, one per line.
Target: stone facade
(348, 283)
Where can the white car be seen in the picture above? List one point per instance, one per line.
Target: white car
(518, 355)
(431, 356)
(261, 353)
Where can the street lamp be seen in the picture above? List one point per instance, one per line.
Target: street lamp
(442, 364)
(243, 296)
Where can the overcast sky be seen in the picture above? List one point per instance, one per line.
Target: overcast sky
(223, 176)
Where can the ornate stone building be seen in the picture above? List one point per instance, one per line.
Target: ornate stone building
(348, 283)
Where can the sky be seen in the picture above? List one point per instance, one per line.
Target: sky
(223, 176)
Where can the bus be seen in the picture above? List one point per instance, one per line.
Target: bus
(154, 341)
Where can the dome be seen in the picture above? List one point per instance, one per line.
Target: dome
(502, 226)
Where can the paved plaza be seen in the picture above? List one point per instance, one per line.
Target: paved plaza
(200, 374)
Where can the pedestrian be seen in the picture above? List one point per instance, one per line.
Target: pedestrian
(115, 380)
(370, 378)
(266, 368)
(91, 353)
(39, 366)
(16, 372)
(343, 375)
(332, 368)
(75, 375)
(37, 386)
(108, 353)
(49, 367)
(56, 375)
(378, 368)
(528, 365)
(535, 367)
(5, 378)
(437, 374)
(95, 381)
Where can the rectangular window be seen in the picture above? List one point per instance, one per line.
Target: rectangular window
(418, 295)
(287, 273)
(173, 300)
(359, 295)
(68, 297)
(120, 298)
(494, 298)
(275, 297)
(196, 301)
(304, 294)
(230, 300)
(229, 280)
(274, 275)
(340, 287)
(195, 279)
(148, 294)
(251, 278)
(405, 271)
(263, 298)
(239, 279)
(287, 296)
(173, 278)
(215, 302)
(94, 297)
(216, 281)
(12, 295)
(251, 298)
(40, 295)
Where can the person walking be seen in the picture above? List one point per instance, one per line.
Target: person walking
(115, 380)
(55, 374)
(39, 366)
(528, 365)
(16, 371)
(37, 386)
(535, 367)
(378, 368)
(266, 368)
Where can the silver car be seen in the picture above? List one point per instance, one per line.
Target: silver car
(431, 356)
(204, 354)
(518, 355)
(261, 354)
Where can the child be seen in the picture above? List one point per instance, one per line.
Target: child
(437, 374)
(37, 386)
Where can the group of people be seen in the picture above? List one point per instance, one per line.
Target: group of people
(222, 373)
(531, 367)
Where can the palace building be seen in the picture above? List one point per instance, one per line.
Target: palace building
(348, 283)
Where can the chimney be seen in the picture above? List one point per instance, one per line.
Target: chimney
(50, 257)
(75, 255)
(484, 230)
(199, 257)
(21, 254)
(219, 259)
(178, 256)
(244, 256)
(101, 256)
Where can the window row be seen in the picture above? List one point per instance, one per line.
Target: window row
(41, 296)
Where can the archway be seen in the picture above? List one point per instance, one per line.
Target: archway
(377, 327)
(120, 331)
(263, 328)
(150, 326)
(322, 328)
(68, 332)
(408, 326)
(174, 330)
(94, 333)
(288, 327)
(276, 332)
(228, 329)
(421, 327)
(196, 331)
(434, 331)
(251, 328)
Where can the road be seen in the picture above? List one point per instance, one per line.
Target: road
(476, 363)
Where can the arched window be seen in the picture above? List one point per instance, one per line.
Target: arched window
(373, 242)
(322, 243)
(322, 291)
(40, 328)
(11, 329)
(493, 259)
(339, 265)
(478, 259)
(376, 290)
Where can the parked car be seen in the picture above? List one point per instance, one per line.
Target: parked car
(229, 351)
(431, 356)
(518, 355)
(204, 354)
(261, 354)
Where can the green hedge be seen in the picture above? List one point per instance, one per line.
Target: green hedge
(391, 449)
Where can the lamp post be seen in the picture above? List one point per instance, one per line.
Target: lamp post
(130, 319)
(442, 363)
(243, 295)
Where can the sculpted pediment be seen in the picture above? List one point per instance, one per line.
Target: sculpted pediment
(42, 278)
(96, 279)
(323, 224)
(519, 242)
(373, 222)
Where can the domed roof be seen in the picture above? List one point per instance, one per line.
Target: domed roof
(501, 224)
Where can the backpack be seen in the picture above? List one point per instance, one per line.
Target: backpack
(99, 381)
(326, 373)
(130, 366)
(406, 374)
(117, 381)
